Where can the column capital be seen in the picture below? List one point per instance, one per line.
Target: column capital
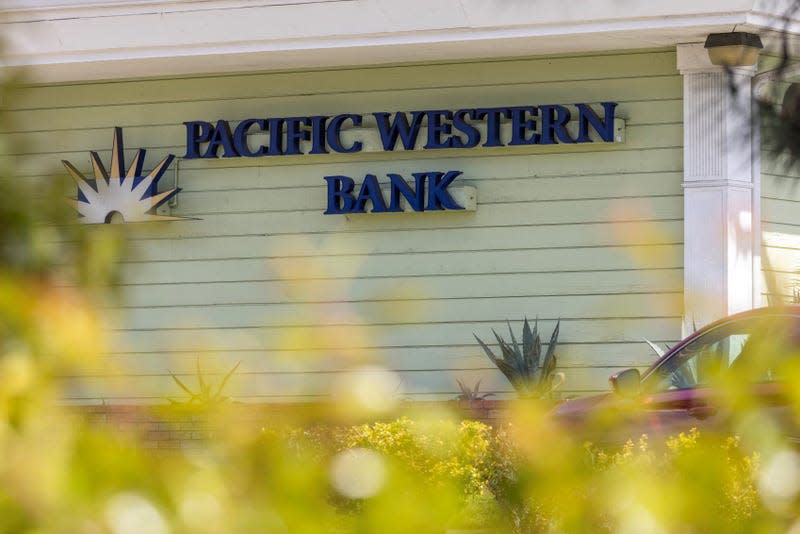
(693, 59)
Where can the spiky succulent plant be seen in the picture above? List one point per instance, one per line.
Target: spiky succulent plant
(205, 396)
(471, 393)
(531, 375)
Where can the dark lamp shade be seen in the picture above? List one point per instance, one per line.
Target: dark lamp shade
(734, 49)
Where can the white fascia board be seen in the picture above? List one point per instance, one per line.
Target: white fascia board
(442, 13)
(122, 39)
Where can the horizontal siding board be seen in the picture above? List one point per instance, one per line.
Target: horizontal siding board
(497, 185)
(436, 263)
(491, 191)
(772, 299)
(780, 286)
(171, 139)
(782, 259)
(515, 161)
(455, 311)
(467, 357)
(389, 79)
(478, 163)
(785, 272)
(448, 286)
(345, 337)
(781, 211)
(781, 235)
(536, 160)
(262, 195)
(314, 221)
(779, 170)
(253, 191)
(498, 307)
(664, 109)
(510, 164)
(304, 207)
(258, 243)
(779, 186)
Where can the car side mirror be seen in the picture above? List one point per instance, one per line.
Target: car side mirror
(626, 383)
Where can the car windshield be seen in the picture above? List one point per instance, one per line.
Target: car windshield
(754, 344)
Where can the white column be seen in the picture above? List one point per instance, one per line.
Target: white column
(720, 195)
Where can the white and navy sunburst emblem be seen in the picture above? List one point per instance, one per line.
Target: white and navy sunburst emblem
(116, 194)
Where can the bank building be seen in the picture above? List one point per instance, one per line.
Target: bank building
(329, 185)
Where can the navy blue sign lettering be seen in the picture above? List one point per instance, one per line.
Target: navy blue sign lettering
(343, 198)
(463, 128)
(444, 129)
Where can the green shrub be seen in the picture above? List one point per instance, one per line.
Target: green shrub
(468, 459)
(442, 452)
(722, 477)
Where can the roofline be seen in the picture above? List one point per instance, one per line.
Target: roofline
(66, 40)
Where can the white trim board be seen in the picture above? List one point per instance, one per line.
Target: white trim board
(111, 40)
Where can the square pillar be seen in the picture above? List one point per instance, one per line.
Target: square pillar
(720, 189)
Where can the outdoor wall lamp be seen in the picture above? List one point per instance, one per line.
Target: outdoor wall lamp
(734, 49)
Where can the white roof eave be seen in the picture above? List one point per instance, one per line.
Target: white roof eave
(65, 40)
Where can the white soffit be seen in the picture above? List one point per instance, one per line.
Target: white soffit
(66, 40)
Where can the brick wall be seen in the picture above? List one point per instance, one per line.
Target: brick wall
(185, 427)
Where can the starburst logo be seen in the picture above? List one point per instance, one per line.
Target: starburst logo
(117, 196)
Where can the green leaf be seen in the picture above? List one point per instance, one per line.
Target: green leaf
(183, 386)
(509, 356)
(200, 380)
(658, 350)
(225, 380)
(465, 393)
(508, 370)
(517, 352)
(536, 353)
(527, 347)
(487, 350)
(510, 373)
(477, 387)
(549, 363)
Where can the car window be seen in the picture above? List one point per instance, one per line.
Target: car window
(701, 361)
(757, 346)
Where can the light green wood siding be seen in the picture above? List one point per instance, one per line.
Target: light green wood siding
(780, 214)
(591, 234)
(780, 217)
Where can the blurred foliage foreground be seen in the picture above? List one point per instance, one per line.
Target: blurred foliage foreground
(64, 472)
(61, 473)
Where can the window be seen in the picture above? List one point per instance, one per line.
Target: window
(756, 345)
(701, 361)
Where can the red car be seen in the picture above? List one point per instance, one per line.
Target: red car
(744, 365)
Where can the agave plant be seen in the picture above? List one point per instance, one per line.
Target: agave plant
(471, 393)
(531, 375)
(206, 395)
